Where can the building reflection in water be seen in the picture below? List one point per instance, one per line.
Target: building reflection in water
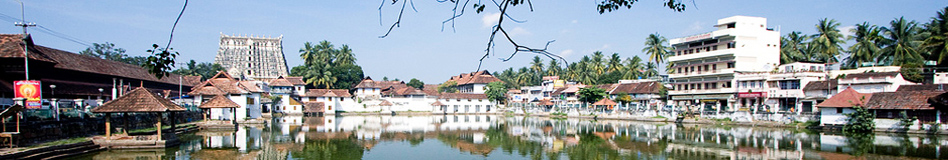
(501, 137)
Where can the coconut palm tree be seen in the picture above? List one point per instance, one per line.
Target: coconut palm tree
(655, 47)
(536, 66)
(868, 39)
(826, 42)
(615, 63)
(651, 69)
(554, 68)
(792, 48)
(903, 41)
(345, 56)
(633, 67)
(937, 42)
(596, 63)
(308, 53)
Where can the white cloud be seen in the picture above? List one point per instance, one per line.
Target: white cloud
(845, 31)
(575, 21)
(566, 53)
(519, 31)
(604, 47)
(490, 19)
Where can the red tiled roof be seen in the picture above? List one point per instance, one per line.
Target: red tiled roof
(11, 46)
(605, 102)
(250, 86)
(296, 81)
(545, 102)
(871, 75)
(225, 83)
(328, 93)
(138, 100)
(480, 77)
(385, 103)
(821, 85)
(219, 101)
(281, 82)
(431, 89)
(847, 98)
(633, 88)
(923, 87)
(314, 107)
(462, 96)
(437, 103)
(911, 100)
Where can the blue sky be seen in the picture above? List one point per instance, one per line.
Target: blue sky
(419, 48)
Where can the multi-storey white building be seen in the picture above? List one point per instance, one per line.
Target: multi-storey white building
(706, 63)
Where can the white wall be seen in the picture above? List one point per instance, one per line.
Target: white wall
(828, 115)
(465, 106)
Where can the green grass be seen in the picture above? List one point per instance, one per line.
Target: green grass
(659, 117)
(61, 142)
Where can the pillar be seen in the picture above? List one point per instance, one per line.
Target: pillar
(108, 126)
(159, 126)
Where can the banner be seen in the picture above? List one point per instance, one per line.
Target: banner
(29, 90)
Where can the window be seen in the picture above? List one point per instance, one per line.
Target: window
(692, 69)
(714, 47)
(249, 72)
(714, 67)
(839, 110)
(294, 107)
(753, 84)
(731, 25)
(328, 108)
(732, 45)
(730, 64)
(706, 68)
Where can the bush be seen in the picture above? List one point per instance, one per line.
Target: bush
(905, 122)
(860, 121)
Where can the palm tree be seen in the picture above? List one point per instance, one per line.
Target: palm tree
(655, 47)
(866, 49)
(826, 42)
(792, 48)
(651, 70)
(308, 53)
(634, 68)
(937, 42)
(524, 77)
(536, 66)
(614, 63)
(553, 68)
(325, 53)
(345, 56)
(596, 63)
(904, 39)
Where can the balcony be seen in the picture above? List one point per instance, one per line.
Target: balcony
(702, 91)
(719, 52)
(701, 73)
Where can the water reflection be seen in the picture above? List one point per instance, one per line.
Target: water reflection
(499, 137)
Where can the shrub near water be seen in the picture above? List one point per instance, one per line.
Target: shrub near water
(860, 121)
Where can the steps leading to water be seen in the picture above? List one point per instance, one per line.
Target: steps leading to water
(55, 152)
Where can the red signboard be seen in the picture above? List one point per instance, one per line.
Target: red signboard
(29, 90)
(751, 94)
(697, 37)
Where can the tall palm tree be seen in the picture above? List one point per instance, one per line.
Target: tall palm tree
(633, 67)
(524, 77)
(792, 48)
(904, 39)
(868, 39)
(596, 63)
(655, 47)
(651, 70)
(937, 42)
(826, 42)
(553, 68)
(615, 63)
(345, 56)
(308, 53)
(325, 53)
(536, 66)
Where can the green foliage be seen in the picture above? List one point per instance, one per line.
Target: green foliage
(496, 92)
(905, 121)
(623, 98)
(656, 47)
(161, 61)
(860, 143)
(416, 83)
(933, 127)
(591, 94)
(327, 67)
(203, 69)
(108, 51)
(860, 121)
(448, 87)
(613, 5)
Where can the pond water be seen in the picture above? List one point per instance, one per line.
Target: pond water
(501, 137)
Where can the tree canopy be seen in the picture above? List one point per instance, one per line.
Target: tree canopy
(325, 66)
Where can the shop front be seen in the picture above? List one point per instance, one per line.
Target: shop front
(751, 101)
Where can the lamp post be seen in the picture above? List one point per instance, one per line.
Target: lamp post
(54, 102)
(100, 95)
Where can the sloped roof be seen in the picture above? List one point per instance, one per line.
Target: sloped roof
(385, 103)
(138, 100)
(250, 86)
(633, 88)
(605, 102)
(437, 103)
(219, 101)
(328, 93)
(314, 107)
(295, 102)
(281, 82)
(821, 85)
(923, 87)
(846, 98)
(462, 96)
(296, 81)
(431, 90)
(545, 102)
(873, 75)
(479, 77)
(225, 83)
(11, 46)
(911, 100)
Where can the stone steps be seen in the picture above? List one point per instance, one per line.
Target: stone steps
(55, 152)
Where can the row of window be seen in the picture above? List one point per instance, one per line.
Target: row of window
(699, 86)
(468, 107)
(707, 67)
(704, 49)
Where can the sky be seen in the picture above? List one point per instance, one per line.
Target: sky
(421, 46)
